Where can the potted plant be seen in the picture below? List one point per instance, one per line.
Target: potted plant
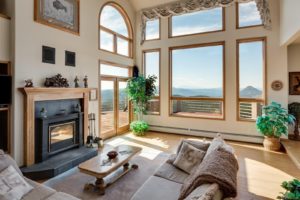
(140, 90)
(292, 190)
(273, 124)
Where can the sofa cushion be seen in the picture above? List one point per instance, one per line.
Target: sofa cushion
(61, 196)
(188, 157)
(6, 161)
(12, 185)
(205, 192)
(158, 188)
(39, 192)
(197, 144)
(216, 143)
(172, 173)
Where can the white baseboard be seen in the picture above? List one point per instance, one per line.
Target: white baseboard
(208, 134)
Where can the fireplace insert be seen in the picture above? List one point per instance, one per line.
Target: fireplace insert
(57, 134)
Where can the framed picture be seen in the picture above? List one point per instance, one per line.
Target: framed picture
(94, 94)
(294, 83)
(70, 58)
(48, 55)
(60, 14)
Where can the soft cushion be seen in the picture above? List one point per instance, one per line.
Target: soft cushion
(39, 191)
(6, 161)
(188, 158)
(216, 143)
(172, 173)
(12, 185)
(158, 188)
(197, 144)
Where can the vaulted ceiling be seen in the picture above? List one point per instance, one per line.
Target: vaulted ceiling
(141, 4)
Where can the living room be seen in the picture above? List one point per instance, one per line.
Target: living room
(115, 99)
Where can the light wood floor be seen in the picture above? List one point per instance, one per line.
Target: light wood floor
(260, 174)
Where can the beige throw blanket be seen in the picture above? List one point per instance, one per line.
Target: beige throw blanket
(219, 167)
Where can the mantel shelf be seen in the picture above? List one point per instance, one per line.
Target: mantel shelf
(32, 90)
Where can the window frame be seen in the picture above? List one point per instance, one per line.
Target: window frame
(170, 27)
(114, 65)
(144, 71)
(222, 99)
(159, 32)
(264, 99)
(116, 35)
(237, 19)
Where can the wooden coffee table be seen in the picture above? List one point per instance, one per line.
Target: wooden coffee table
(101, 167)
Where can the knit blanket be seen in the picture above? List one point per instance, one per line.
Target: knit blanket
(220, 167)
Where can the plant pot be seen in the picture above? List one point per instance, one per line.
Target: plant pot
(272, 143)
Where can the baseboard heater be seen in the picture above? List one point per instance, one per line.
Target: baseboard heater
(208, 134)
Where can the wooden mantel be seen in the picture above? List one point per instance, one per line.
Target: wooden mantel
(32, 95)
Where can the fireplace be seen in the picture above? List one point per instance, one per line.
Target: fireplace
(57, 134)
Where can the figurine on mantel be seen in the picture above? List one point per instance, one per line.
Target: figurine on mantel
(43, 113)
(85, 81)
(28, 83)
(76, 81)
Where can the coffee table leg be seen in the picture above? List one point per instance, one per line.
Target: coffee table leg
(100, 185)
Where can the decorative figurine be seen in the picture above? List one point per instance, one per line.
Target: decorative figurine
(28, 83)
(85, 80)
(76, 81)
(56, 81)
(43, 113)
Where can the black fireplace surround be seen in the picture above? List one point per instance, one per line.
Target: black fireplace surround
(57, 134)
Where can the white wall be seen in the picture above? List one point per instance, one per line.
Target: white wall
(289, 20)
(294, 65)
(31, 36)
(276, 68)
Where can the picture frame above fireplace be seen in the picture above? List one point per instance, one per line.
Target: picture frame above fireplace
(48, 55)
(60, 14)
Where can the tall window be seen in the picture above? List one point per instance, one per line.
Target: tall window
(151, 65)
(153, 30)
(197, 81)
(248, 15)
(115, 30)
(198, 22)
(251, 67)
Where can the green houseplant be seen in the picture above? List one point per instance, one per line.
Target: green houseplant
(140, 90)
(292, 190)
(273, 124)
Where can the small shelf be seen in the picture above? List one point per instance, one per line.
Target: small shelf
(4, 109)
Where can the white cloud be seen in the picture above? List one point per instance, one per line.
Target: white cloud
(249, 13)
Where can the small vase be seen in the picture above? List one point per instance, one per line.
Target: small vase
(272, 143)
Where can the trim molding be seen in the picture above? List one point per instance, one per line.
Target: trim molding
(209, 134)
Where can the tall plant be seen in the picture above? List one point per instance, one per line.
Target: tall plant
(274, 121)
(140, 90)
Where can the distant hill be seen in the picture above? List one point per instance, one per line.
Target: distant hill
(212, 92)
(250, 92)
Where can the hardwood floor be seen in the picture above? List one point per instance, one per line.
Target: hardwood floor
(260, 174)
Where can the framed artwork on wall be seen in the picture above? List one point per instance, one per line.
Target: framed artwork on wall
(294, 83)
(60, 14)
(70, 58)
(94, 94)
(48, 55)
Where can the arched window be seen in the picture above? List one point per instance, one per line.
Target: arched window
(115, 30)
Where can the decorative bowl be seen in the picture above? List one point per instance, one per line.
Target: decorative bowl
(112, 155)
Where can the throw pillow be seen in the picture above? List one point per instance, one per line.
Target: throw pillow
(188, 158)
(198, 144)
(12, 185)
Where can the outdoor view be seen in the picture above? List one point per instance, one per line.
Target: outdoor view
(197, 73)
